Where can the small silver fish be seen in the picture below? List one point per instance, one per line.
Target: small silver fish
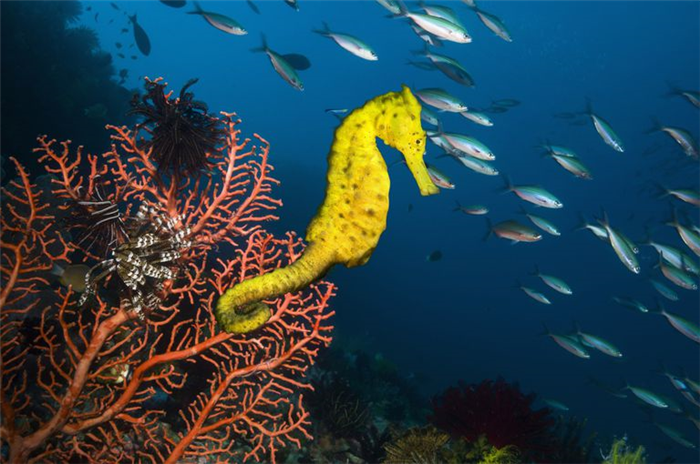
(437, 26)
(553, 282)
(681, 136)
(535, 295)
(282, 66)
(621, 246)
(219, 21)
(513, 231)
(494, 23)
(647, 396)
(568, 343)
(533, 194)
(477, 117)
(349, 43)
(604, 129)
(441, 100)
(439, 179)
(476, 210)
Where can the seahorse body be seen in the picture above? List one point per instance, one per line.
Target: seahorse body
(352, 217)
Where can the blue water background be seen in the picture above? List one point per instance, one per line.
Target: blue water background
(462, 317)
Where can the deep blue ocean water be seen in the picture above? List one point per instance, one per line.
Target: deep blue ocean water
(462, 317)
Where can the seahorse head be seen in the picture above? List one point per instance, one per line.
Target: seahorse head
(399, 126)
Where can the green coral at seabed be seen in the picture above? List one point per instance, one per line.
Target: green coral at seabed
(482, 452)
(622, 453)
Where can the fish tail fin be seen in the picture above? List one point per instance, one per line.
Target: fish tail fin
(604, 220)
(508, 187)
(546, 150)
(324, 31)
(646, 238)
(458, 206)
(673, 222)
(660, 191)
(655, 126)
(582, 223)
(673, 90)
(417, 64)
(659, 308)
(577, 328)
(403, 10)
(588, 110)
(439, 128)
(536, 271)
(423, 52)
(57, 270)
(489, 232)
(545, 330)
(263, 47)
(474, 7)
(522, 210)
(197, 9)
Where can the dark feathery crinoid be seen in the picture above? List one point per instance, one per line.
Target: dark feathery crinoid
(338, 407)
(98, 221)
(182, 132)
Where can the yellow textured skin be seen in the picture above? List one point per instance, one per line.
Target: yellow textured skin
(353, 214)
(247, 318)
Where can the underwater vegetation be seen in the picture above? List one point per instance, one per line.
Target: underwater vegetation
(622, 452)
(339, 407)
(568, 443)
(135, 369)
(496, 410)
(72, 91)
(418, 445)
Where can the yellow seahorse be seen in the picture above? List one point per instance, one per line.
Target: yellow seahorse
(353, 214)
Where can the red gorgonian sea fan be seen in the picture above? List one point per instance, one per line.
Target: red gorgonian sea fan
(497, 410)
(137, 369)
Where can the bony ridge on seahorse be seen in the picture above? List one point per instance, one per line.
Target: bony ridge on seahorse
(353, 214)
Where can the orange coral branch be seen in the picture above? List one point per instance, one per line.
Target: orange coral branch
(99, 365)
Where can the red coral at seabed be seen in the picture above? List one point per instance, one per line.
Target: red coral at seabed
(498, 410)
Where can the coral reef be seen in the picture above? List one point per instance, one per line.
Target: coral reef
(108, 380)
(338, 407)
(352, 217)
(359, 403)
(567, 444)
(622, 453)
(496, 410)
(418, 445)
